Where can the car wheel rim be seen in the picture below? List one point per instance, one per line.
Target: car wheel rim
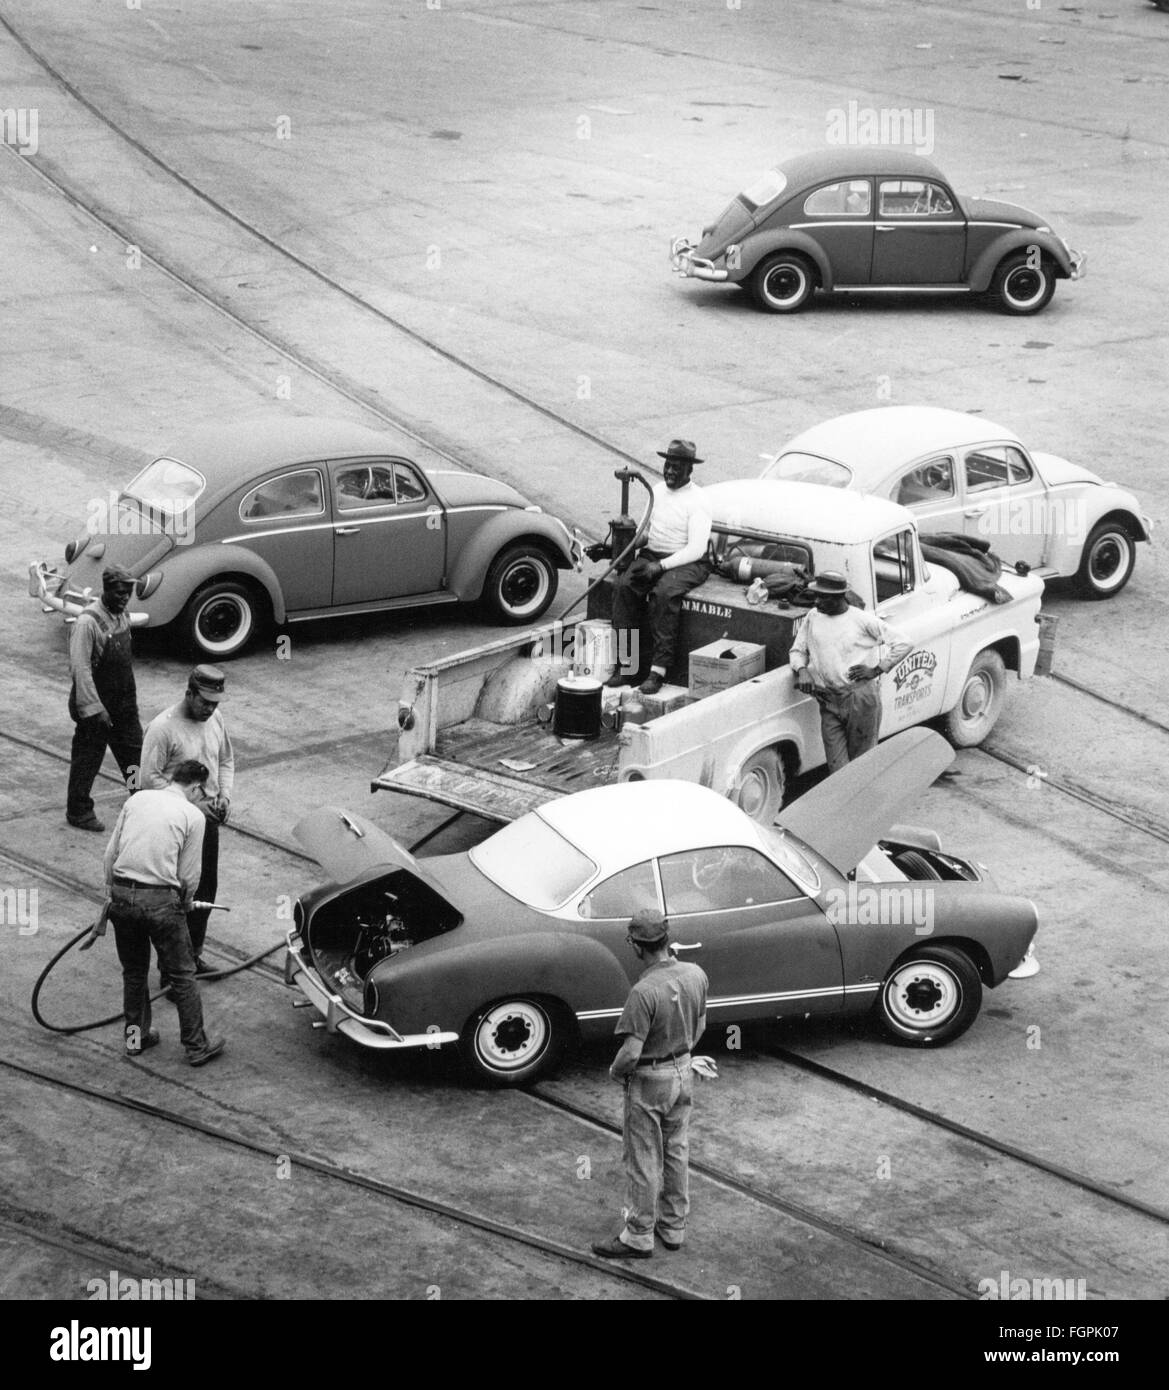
(755, 791)
(511, 1036)
(223, 622)
(523, 586)
(784, 284)
(1108, 560)
(1024, 286)
(977, 699)
(921, 995)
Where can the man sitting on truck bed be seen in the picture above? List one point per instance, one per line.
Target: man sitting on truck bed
(672, 562)
(832, 659)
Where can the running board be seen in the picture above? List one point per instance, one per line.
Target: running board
(492, 795)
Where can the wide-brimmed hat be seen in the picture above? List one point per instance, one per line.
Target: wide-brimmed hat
(647, 926)
(208, 681)
(681, 451)
(829, 582)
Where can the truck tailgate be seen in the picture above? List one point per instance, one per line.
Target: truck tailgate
(492, 795)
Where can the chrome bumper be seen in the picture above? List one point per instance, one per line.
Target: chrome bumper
(49, 587)
(685, 262)
(1079, 264)
(340, 1018)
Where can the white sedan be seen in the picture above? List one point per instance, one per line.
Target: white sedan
(961, 473)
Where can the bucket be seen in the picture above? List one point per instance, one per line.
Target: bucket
(594, 649)
(578, 707)
(1048, 622)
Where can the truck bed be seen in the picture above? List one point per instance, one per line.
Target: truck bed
(466, 769)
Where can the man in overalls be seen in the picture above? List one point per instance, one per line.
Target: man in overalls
(103, 702)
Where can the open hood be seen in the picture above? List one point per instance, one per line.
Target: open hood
(347, 846)
(844, 817)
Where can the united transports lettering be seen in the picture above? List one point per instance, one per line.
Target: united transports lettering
(77, 1343)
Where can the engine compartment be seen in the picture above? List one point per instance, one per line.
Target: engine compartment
(349, 934)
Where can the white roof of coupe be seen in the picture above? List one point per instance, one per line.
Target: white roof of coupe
(623, 824)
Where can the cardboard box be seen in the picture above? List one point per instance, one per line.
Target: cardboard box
(721, 664)
(668, 698)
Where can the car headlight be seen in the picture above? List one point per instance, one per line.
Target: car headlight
(148, 583)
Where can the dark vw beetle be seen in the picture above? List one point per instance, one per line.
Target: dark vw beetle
(516, 948)
(854, 220)
(307, 518)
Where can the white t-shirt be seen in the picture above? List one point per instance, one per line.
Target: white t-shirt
(680, 525)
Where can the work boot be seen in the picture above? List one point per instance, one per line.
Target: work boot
(89, 822)
(206, 1053)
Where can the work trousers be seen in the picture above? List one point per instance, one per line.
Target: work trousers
(123, 737)
(656, 1152)
(850, 721)
(208, 886)
(145, 916)
(659, 610)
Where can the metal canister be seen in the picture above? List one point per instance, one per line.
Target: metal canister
(578, 707)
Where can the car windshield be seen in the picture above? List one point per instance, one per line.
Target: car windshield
(534, 863)
(790, 860)
(809, 468)
(763, 190)
(167, 486)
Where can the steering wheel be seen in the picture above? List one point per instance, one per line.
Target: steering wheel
(704, 874)
(921, 204)
(934, 477)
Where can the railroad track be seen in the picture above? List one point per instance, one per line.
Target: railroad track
(327, 1172)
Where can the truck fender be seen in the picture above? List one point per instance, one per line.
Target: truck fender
(1008, 645)
(782, 239)
(791, 744)
(446, 986)
(982, 272)
(469, 571)
(186, 569)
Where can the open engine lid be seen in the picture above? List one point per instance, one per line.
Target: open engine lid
(347, 846)
(845, 815)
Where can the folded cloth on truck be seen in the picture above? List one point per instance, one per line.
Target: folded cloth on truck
(970, 559)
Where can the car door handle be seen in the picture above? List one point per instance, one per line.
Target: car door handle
(975, 511)
(886, 227)
(347, 530)
(682, 946)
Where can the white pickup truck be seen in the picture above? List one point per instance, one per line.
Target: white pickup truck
(470, 734)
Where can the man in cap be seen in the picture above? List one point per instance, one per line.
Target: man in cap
(836, 656)
(664, 1017)
(671, 563)
(151, 869)
(194, 728)
(103, 700)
